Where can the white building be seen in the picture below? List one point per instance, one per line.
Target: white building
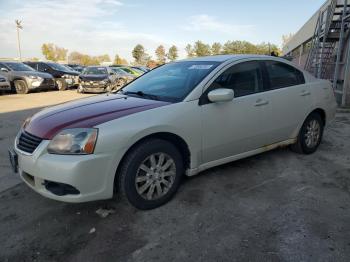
(321, 46)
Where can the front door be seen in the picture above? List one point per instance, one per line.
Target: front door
(237, 126)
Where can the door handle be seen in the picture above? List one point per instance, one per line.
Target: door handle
(261, 102)
(305, 93)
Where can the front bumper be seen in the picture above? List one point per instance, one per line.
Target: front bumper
(46, 83)
(5, 86)
(72, 81)
(93, 87)
(88, 174)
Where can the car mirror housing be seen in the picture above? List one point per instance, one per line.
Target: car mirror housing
(221, 95)
(3, 69)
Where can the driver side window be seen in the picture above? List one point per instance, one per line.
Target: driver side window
(244, 78)
(42, 67)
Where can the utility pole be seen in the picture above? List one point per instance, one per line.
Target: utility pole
(19, 26)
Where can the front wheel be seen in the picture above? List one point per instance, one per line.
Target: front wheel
(21, 87)
(310, 135)
(151, 173)
(61, 84)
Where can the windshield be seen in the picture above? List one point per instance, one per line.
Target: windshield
(59, 67)
(95, 71)
(173, 81)
(19, 67)
(127, 70)
(119, 71)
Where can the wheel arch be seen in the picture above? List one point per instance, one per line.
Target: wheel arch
(322, 114)
(176, 140)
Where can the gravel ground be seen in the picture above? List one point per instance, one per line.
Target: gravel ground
(277, 206)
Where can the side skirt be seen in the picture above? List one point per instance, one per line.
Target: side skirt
(195, 171)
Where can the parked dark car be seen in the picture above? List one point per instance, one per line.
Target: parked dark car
(23, 78)
(76, 67)
(64, 76)
(98, 79)
(4, 84)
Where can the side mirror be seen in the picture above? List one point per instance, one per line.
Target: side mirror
(221, 95)
(3, 69)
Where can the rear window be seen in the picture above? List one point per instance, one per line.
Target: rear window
(283, 75)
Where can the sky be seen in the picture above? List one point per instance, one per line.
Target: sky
(112, 27)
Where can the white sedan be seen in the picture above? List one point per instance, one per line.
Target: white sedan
(179, 119)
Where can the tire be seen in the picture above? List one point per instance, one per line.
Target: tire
(61, 84)
(134, 166)
(310, 135)
(80, 90)
(21, 87)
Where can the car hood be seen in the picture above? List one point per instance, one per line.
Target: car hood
(32, 73)
(73, 73)
(87, 112)
(93, 77)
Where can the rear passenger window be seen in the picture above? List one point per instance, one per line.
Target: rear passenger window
(244, 79)
(283, 75)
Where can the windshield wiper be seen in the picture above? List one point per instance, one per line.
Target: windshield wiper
(141, 94)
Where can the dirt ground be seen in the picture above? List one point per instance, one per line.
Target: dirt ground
(277, 206)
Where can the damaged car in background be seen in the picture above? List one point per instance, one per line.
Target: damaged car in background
(24, 78)
(123, 77)
(98, 79)
(64, 76)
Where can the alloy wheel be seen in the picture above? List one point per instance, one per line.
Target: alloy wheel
(313, 133)
(155, 176)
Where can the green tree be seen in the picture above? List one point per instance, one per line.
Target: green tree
(201, 49)
(139, 54)
(189, 50)
(103, 58)
(286, 39)
(160, 54)
(53, 52)
(216, 48)
(119, 60)
(172, 53)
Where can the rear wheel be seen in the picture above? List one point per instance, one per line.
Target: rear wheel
(310, 135)
(61, 84)
(151, 173)
(21, 87)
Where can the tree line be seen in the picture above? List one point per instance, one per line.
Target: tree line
(141, 57)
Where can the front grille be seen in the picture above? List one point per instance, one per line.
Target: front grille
(48, 81)
(28, 142)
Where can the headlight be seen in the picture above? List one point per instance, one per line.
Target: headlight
(26, 122)
(68, 76)
(35, 77)
(104, 82)
(76, 141)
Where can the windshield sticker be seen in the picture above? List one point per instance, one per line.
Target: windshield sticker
(200, 67)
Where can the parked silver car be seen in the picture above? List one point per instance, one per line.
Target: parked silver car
(4, 84)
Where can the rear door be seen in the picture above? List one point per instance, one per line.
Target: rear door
(289, 100)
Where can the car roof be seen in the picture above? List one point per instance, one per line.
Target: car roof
(10, 62)
(224, 58)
